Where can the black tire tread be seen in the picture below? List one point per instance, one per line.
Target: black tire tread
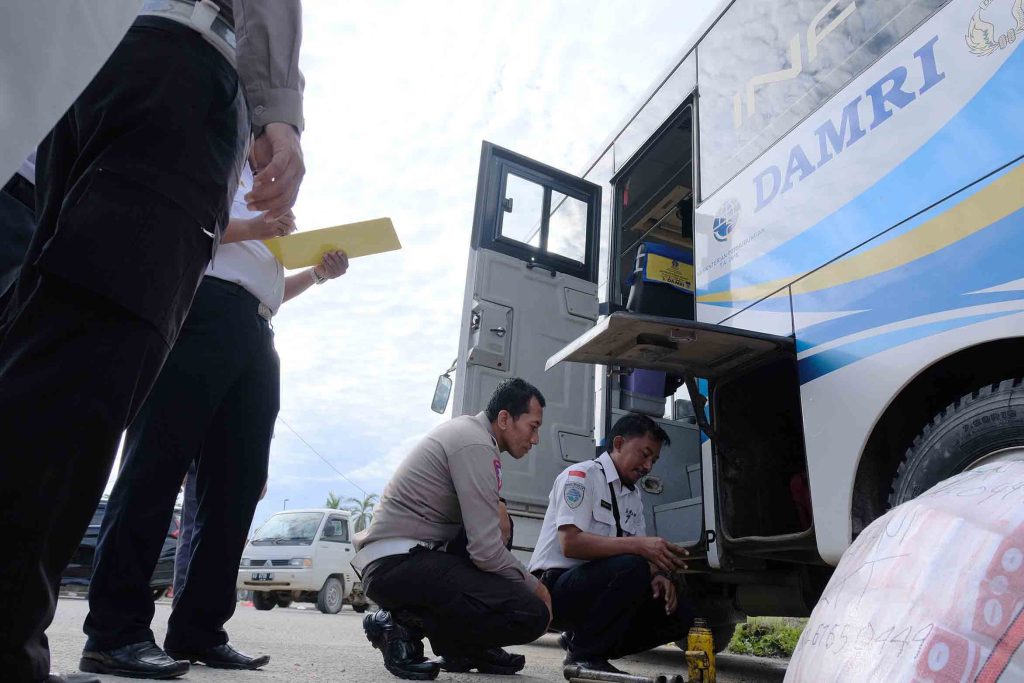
(961, 404)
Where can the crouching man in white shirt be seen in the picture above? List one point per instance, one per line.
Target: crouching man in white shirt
(610, 583)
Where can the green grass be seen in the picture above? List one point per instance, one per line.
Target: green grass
(767, 636)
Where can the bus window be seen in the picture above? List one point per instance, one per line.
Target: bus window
(766, 65)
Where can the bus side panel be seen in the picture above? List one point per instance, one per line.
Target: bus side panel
(952, 281)
(928, 119)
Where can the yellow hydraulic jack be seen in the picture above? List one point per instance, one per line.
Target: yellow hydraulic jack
(700, 653)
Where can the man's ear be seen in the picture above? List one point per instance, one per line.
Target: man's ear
(617, 443)
(504, 418)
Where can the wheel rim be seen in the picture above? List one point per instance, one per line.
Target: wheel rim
(1011, 454)
(334, 596)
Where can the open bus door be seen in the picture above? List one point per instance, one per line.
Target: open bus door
(531, 289)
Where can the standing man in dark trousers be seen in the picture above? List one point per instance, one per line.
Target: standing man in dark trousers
(610, 582)
(469, 603)
(133, 185)
(213, 405)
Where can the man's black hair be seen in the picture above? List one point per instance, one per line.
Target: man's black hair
(513, 395)
(634, 424)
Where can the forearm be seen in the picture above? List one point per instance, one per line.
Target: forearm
(297, 284)
(579, 545)
(237, 231)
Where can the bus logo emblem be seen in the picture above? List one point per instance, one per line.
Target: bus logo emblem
(725, 220)
(981, 34)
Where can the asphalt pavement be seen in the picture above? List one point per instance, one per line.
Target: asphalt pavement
(306, 645)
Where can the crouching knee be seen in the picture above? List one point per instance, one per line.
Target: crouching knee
(532, 620)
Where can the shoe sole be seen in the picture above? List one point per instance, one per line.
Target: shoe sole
(411, 676)
(486, 669)
(255, 664)
(92, 666)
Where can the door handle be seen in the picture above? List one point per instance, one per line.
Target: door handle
(500, 331)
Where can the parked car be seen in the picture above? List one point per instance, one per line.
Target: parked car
(302, 556)
(78, 574)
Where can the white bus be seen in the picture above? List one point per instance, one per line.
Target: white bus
(814, 221)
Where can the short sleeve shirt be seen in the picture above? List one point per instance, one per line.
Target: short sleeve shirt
(581, 497)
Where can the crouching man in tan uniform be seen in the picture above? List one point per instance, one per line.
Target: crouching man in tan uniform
(469, 603)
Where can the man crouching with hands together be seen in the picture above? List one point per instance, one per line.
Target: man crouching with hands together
(469, 603)
(609, 581)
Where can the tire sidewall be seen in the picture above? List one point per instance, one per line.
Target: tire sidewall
(960, 438)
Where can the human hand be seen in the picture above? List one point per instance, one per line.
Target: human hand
(333, 264)
(663, 587)
(542, 592)
(279, 170)
(665, 556)
(264, 228)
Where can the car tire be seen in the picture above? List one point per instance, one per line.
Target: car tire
(283, 600)
(263, 601)
(360, 608)
(331, 597)
(984, 426)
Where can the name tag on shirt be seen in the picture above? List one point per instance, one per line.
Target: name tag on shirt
(606, 505)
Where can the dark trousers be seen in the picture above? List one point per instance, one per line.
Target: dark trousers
(17, 223)
(122, 183)
(186, 531)
(214, 403)
(607, 608)
(461, 609)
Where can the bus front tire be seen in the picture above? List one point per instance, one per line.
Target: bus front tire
(982, 427)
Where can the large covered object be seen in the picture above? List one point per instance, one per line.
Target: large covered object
(930, 592)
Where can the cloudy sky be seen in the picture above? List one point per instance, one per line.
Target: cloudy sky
(399, 96)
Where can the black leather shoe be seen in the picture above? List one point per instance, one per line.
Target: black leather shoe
(590, 663)
(493, 661)
(138, 660)
(221, 657)
(71, 678)
(402, 647)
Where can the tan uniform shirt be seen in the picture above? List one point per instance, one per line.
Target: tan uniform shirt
(449, 480)
(268, 34)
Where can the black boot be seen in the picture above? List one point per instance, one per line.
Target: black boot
(402, 648)
(493, 661)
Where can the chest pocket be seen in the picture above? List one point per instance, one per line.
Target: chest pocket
(604, 520)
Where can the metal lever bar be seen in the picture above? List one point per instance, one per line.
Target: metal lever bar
(577, 674)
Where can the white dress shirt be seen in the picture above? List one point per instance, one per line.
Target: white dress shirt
(249, 263)
(580, 497)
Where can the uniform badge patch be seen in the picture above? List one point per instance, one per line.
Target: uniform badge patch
(578, 473)
(574, 493)
(497, 471)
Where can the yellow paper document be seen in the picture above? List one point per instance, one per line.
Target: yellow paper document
(356, 239)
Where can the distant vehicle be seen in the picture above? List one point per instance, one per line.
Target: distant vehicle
(78, 574)
(822, 248)
(303, 556)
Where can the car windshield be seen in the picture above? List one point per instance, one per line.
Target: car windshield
(288, 528)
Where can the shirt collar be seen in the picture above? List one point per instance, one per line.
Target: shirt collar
(610, 473)
(481, 417)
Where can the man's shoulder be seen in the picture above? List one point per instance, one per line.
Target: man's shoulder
(586, 472)
(463, 431)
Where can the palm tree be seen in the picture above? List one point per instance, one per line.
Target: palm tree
(332, 501)
(362, 509)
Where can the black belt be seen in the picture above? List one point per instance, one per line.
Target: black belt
(21, 189)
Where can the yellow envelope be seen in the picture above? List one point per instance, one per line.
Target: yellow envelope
(303, 249)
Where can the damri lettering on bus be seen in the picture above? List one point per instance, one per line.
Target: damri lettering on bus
(888, 90)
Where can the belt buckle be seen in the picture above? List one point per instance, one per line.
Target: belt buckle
(264, 311)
